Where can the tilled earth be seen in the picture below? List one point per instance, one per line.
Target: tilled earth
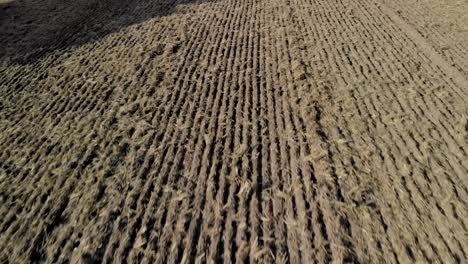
(287, 131)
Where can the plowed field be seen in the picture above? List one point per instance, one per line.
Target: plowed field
(231, 131)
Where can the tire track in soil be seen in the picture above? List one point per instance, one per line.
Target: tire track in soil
(453, 73)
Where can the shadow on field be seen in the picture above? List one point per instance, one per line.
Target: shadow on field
(31, 29)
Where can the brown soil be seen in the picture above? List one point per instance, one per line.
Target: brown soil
(162, 131)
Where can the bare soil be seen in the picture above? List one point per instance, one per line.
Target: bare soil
(226, 131)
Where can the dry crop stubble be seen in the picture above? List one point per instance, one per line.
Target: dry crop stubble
(298, 131)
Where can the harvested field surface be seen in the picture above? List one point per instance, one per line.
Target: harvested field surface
(227, 131)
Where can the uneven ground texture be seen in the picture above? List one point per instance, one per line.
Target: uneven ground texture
(287, 131)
